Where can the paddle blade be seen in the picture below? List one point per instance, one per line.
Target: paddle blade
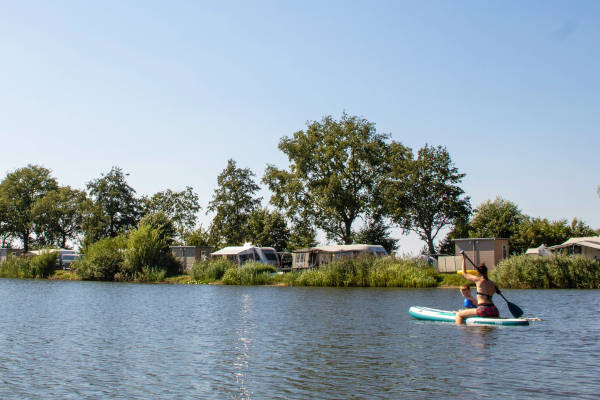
(514, 309)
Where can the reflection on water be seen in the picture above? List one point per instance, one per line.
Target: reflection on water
(97, 340)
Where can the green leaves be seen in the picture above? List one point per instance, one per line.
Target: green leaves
(233, 204)
(334, 176)
(423, 194)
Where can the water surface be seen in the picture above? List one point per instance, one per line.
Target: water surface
(91, 340)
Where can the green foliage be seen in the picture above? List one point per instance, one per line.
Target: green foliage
(376, 232)
(40, 266)
(59, 216)
(180, 207)
(162, 224)
(268, 229)
(18, 193)
(500, 219)
(44, 264)
(211, 270)
(251, 273)
(102, 260)
(526, 272)
(117, 201)
(147, 250)
(199, 237)
(233, 203)
(367, 272)
(453, 280)
(335, 174)
(428, 192)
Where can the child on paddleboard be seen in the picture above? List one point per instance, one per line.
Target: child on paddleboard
(469, 301)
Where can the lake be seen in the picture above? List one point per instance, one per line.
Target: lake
(73, 340)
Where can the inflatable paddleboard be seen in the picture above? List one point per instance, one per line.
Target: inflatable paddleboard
(431, 314)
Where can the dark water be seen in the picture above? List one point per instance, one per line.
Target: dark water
(97, 340)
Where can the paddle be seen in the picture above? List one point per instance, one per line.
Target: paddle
(514, 309)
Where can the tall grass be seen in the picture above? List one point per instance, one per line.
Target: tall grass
(210, 270)
(367, 272)
(251, 273)
(40, 266)
(525, 272)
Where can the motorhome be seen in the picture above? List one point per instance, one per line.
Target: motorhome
(316, 256)
(246, 253)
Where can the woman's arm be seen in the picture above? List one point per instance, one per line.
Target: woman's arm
(470, 277)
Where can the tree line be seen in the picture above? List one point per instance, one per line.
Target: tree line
(343, 178)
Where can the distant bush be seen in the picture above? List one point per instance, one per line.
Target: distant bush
(252, 273)
(44, 264)
(526, 272)
(40, 266)
(210, 270)
(102, 259)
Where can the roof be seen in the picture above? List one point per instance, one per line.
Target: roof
(340, 248)
(589, 241)
(236, 250)
(462, 239)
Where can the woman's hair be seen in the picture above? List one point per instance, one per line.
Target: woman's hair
(482, 269)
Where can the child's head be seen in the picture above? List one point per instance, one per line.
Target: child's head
(465, 290)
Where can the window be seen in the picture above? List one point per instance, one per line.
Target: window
(270, 255)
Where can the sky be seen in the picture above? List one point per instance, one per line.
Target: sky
(169, 91)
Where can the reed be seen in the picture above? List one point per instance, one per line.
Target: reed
(40, 266)
(210, 270)
(367, 272)
(251, 273)
(561, 272)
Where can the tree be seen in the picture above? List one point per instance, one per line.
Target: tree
(18, 193)
(233, 203)
(59, 216)
(268, 229)
(180, 207)
(376, 231)
(423, 194)
(117, 201)
(6, 235)
(499, 218)
(199, 237)
(162, 224)
(334, 174)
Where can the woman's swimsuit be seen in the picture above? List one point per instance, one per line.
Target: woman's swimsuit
(487, 310)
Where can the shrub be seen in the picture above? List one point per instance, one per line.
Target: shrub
(102, 259)
(252, 273)
(16, 267)
(44, 264)
(40, 266)
(562, 272)
(211, 270)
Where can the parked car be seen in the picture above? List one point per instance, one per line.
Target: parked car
(65, 260)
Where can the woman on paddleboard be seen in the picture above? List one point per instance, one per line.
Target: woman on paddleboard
(485, 290)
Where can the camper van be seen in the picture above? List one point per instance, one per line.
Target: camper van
(315, 256)
(246, 253)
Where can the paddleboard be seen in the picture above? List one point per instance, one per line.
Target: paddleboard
(431, 314)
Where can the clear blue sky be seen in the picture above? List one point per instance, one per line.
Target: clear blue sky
(169, 91)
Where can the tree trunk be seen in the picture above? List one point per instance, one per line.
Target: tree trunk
(25, 241)
(430, 245)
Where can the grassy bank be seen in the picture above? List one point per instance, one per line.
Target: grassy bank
(561, 272)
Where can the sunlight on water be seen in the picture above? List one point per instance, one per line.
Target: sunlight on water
(73, 340)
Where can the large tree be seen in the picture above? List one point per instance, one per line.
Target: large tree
(181, 207)
(18, 193)
(334, 176)
(117, 201)
(376, 231)
(424, 196)
(6, 234)
(499, 218)
(268, 229)
(233, 203)
(59, 216)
